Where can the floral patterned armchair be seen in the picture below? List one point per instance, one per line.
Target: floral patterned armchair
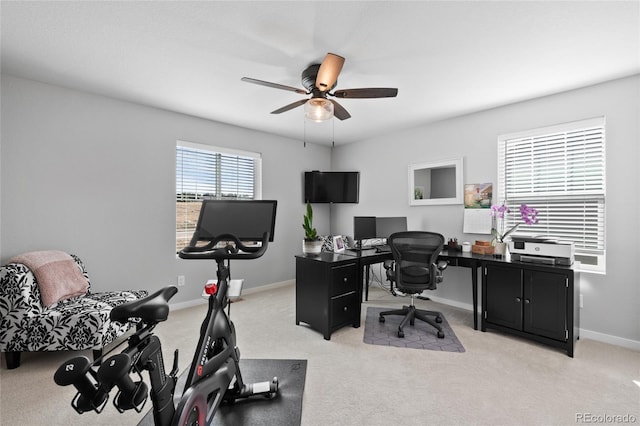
(74, 324)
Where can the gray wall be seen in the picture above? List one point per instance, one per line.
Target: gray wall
(610, 301)
(95, 176)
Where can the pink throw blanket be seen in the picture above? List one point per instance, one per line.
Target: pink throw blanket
(57, 274)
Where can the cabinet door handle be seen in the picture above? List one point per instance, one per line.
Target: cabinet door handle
(345, 309)
(344, 279)
(518, 300)
(527, 301)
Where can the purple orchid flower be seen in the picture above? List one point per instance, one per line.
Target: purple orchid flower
(529, 215)
(499, 210)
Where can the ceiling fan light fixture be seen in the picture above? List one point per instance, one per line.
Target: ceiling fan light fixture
(318, 109)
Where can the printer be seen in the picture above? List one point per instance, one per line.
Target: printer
(541, 249)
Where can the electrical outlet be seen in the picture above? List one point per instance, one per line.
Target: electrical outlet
(181, 280)
(581, 301)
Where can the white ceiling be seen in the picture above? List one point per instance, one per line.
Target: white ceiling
(445, 58)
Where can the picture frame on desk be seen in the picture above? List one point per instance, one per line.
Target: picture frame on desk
(338, 244)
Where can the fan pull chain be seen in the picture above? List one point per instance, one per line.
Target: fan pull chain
(333, 133)
(304, 140)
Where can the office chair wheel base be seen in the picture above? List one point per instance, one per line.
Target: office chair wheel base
(438, 319)
(381, 319)
(400, 333)
(440, 335)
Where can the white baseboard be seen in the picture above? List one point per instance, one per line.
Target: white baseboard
(454, 303)
(607, 338)
(584, 334)
(200, 301)
(187, 304)
(269, 286)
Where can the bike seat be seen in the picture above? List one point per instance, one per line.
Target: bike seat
(153, 308)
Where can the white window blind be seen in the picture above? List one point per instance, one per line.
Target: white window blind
(560, 171)
(207, 172)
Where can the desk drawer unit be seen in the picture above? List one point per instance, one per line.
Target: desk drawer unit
(344, 279)
(327, 296)
(343, 309)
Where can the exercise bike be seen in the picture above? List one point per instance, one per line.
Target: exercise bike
(214, 375)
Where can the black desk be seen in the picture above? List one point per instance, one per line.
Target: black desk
(529, 300)
(370, 257)
(467, 260)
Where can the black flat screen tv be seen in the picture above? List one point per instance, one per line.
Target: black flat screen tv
(331, 187)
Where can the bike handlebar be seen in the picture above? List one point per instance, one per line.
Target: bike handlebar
(236, 251)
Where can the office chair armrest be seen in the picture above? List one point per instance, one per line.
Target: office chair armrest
(389, 266)
(438, 269)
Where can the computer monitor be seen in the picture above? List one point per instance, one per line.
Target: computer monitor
(364, 227)
(385, 226)
(246, 219)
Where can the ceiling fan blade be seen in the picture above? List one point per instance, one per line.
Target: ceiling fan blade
(274, 85)
(371, 92)
(339, 112)
(329, 71)
(290, 106)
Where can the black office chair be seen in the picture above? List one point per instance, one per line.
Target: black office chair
(415, 268)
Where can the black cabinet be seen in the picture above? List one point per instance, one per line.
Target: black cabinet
(533, 301)
(502, 296)
(327, 292)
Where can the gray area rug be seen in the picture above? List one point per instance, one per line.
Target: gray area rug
(284, 409)
(418, 336)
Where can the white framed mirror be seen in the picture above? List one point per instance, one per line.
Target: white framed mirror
(436, 182)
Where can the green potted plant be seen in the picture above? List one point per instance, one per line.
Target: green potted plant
(312, 244)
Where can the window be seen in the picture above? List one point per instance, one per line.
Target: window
(208, 172)
(560, 171)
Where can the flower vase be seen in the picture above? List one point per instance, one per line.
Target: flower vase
(500, 249)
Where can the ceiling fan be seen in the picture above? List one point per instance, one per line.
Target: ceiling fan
(319, 80)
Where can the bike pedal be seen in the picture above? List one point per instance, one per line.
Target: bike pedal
(136, 400)
(265, 388)
(81, 405)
